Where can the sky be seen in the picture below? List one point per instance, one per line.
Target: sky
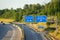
(19, 3)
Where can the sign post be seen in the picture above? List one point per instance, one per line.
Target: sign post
(41, 19)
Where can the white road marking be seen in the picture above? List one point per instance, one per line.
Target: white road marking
(12, 34)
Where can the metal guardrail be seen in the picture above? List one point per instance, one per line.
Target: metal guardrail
(53, 37)
(49, 37)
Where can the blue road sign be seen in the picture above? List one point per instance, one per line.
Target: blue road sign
(40, 27)
(29, 19)
(41, 18)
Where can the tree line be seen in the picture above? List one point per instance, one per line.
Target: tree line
(50, 9)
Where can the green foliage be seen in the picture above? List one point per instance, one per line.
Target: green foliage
(50, 29)
(50, 9)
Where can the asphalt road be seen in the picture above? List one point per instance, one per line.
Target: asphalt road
(30, 34)
(8, 32)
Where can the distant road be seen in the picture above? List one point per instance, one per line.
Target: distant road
(8, 32)
(29, 34)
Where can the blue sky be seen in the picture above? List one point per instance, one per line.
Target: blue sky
(19, 3)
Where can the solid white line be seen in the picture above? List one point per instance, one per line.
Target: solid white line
(12, 34)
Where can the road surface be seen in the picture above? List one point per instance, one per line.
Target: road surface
(29, 34)
(8, 32)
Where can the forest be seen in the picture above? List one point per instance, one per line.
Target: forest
(50, 9)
